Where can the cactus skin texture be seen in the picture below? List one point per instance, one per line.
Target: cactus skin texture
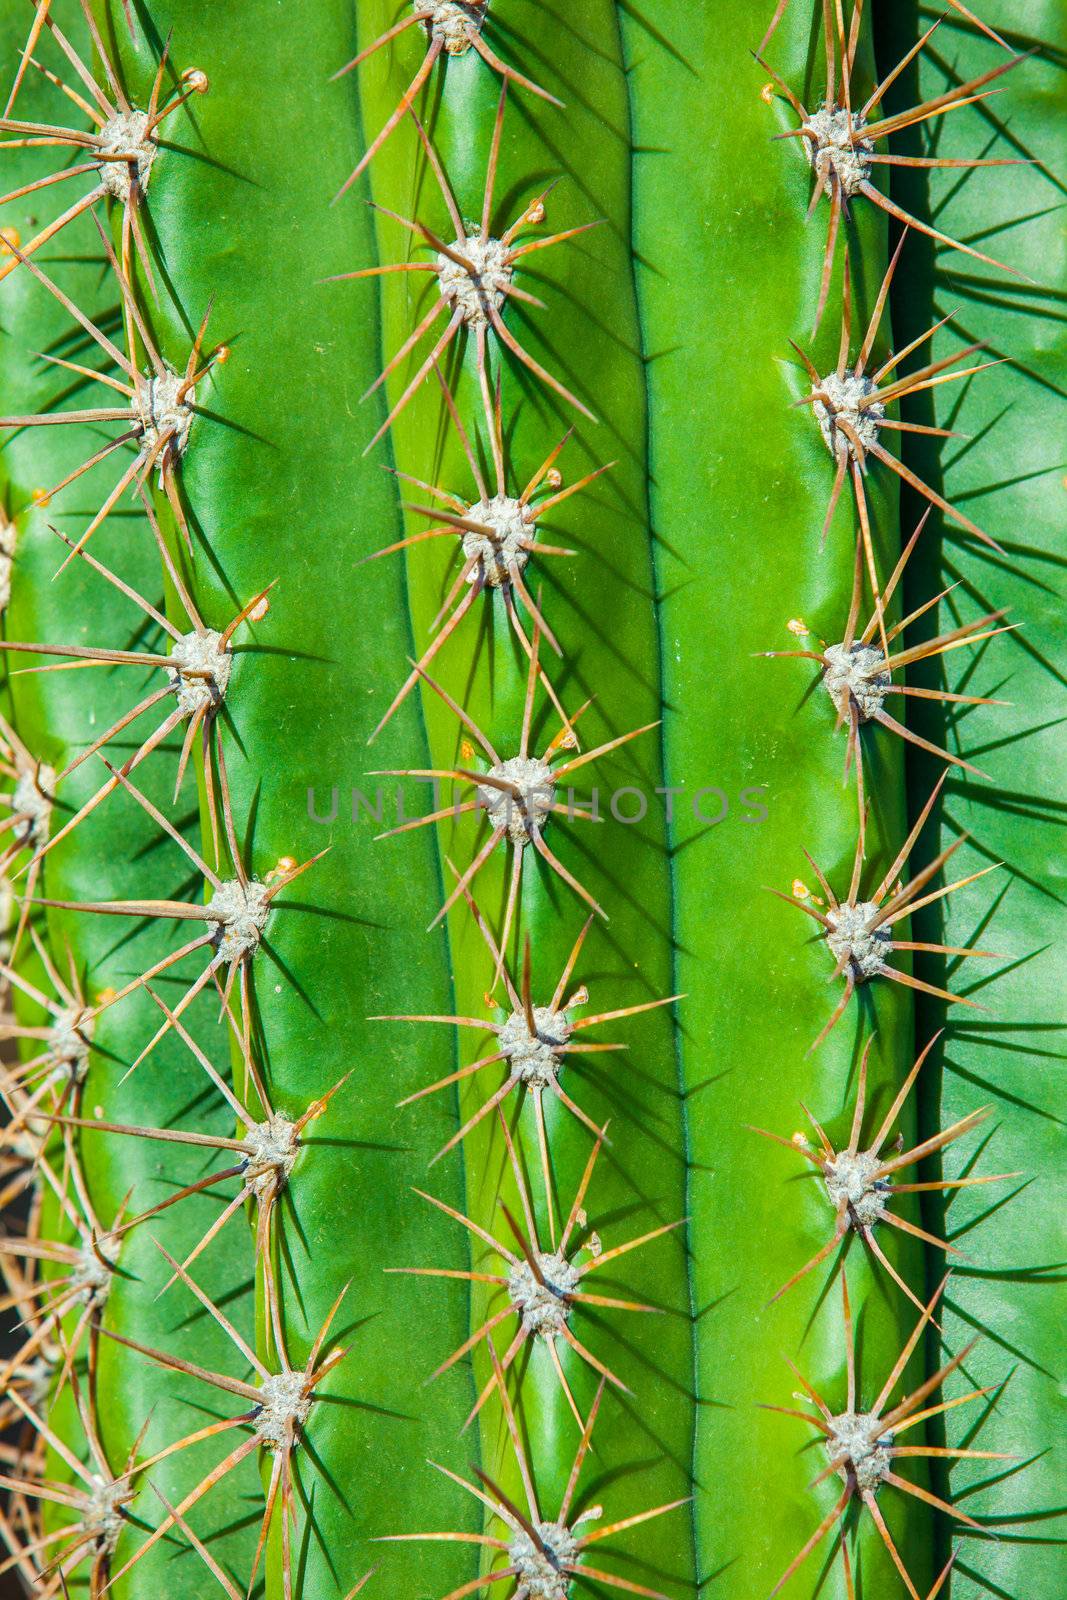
(760, 480)
(599, 606)
(53, 713)
(301, 716)
(1008, 1294)
(664, 343)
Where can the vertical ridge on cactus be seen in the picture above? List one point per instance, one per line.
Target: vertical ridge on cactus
(1004, 1059)
(598, 606)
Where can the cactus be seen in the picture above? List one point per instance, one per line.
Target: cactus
(406, 1029)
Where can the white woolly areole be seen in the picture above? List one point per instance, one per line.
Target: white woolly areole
(842, 403)
(23, 1148)
(199, 652)
(103, 1516)
(520, 814)
(126, 135)
(540, 1574)
(544, 1307)
(7, 559)
(35, 1379)
(856, 676)
(533, 1058)
(858, 1437)
(91, 1277)
(241, 911)
(161, 408)
(68, 1044)
(452, 21)
(471, 293)
(851, 935)
(835, 148)
(855, 1179)
(273, 1144)
(32, 801)
(503, 548)
(283, 1408)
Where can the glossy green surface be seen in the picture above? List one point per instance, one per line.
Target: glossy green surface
(241, 213)
(601, 607)
(1011, 480)
(116, 854)
(702, 685)
(739, 484)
